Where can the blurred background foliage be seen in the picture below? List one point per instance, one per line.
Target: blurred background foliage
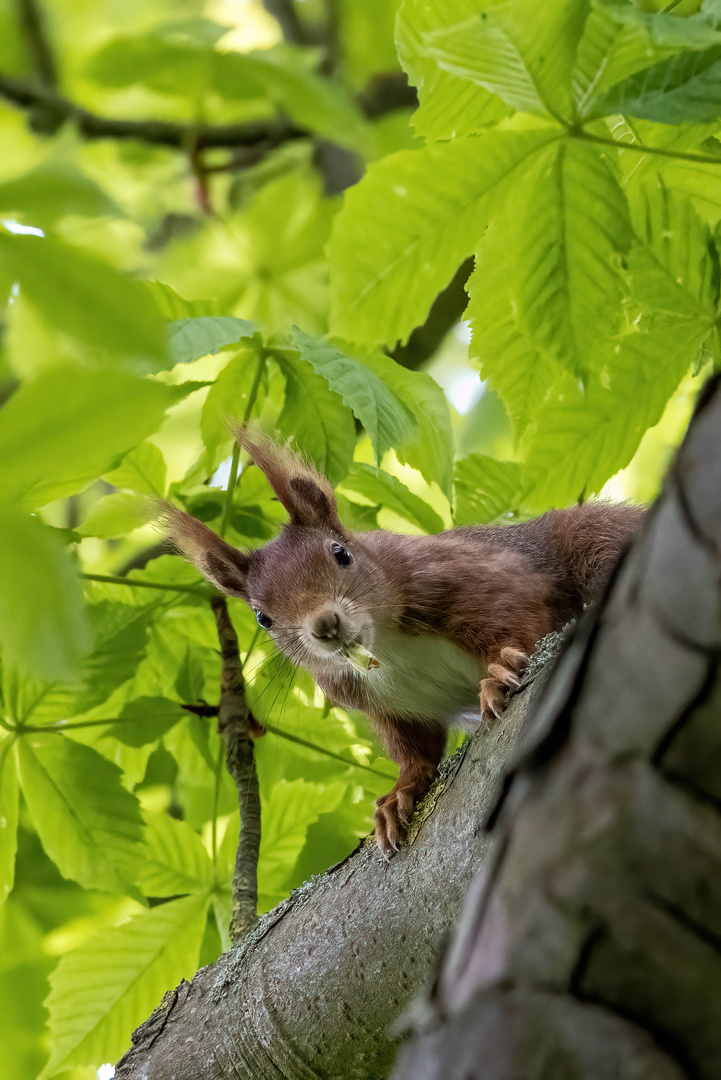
(175, 249)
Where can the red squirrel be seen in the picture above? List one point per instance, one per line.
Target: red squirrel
(409, 629)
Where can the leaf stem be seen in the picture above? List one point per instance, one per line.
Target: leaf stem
(232, 481)
(250, 648)
(235, 460)
(113, 579)
(322, 750)
(643, 148)
(59, 726)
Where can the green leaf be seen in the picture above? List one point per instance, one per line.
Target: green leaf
(145, 719)
(478, 48)
(292, 806)
(683, 89)
(486, 489)
(69, 424)
(8, 817)
(429, 448)
(176, 861)
(174, 307)
(387, 420)
(192, 338)
(142, 470)
(366, 39)
(227, 400)
(620, 40)
(580, 439)
(381, 487)
(88, 823)
(113, 515)
(162, 61)
(521, 53)
(120, 635)
(449, 105)
(409, 224)
(516, 371)
(103, 990)
(315, 416)
(23, 1017)
(43, 627)
(190, 679)
(281, 76)
(53, 190)
(104, 309)
(572, 228)
(671, 272)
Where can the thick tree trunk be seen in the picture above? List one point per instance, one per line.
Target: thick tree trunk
(592, 950)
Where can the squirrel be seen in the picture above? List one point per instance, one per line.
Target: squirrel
(420, 633)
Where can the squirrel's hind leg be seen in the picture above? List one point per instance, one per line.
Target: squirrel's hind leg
(417, 747)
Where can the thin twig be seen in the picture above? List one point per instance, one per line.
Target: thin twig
(233, 724)
(61, 726)
(113, 579)
(322, 750)
(235, 460)
(212, 710)
(32, 23)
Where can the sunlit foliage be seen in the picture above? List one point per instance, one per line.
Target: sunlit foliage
(187, 256)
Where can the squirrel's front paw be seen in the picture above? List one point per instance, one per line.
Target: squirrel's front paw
(393, 812)
(493, 699)
(502, 677)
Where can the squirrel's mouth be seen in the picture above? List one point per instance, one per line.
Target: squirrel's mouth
(359, 657)
(349, 653)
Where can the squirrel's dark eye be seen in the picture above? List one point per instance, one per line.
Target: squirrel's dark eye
(264, 620)
(342, 557)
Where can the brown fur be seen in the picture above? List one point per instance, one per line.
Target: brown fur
(486, 593)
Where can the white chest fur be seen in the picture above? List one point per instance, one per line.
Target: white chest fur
(425, 676)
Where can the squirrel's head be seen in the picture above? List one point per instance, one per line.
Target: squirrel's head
(315, 588)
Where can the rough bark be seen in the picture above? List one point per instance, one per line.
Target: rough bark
(592, 949)
(313, 989)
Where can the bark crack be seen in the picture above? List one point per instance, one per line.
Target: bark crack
(684, 919)
(686, 715)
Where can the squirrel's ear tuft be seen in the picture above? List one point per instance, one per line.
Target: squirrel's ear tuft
(223, 565)
(306, 495)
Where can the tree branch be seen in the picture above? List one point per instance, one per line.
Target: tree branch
(158, 132)
(201, 591)
(386, 92)
(234, 725)
(312, 990)
(253, 134)
(447, 309)
(286, 15)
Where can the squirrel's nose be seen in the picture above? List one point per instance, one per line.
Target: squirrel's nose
(325, 625)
